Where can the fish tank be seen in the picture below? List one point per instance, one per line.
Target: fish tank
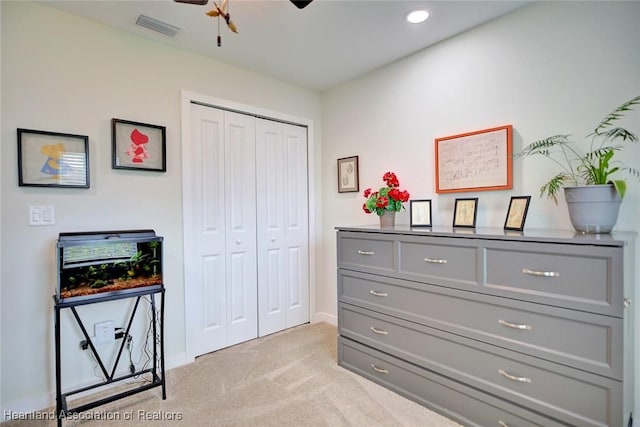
(107, 263)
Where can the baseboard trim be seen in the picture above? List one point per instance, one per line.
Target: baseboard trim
(325, 317)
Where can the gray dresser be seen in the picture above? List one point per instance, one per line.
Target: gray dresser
(488, 327)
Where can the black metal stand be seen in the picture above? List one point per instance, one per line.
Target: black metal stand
(157, 372)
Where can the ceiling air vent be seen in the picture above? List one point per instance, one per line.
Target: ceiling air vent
(157, 26)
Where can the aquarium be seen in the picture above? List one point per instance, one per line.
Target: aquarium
(103, 263)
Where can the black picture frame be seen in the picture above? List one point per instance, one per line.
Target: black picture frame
(348, 179)
(517, 213)
(52, 159)
(420, 213)
(138, 146)
(465, 212)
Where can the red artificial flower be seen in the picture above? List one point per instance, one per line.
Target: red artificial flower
(391, 179)
(395, 194)
(382, 202)
(389, 197)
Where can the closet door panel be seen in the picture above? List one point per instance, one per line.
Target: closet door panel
(271, 202)
(240, 203)
(206, 238)
(297, 224)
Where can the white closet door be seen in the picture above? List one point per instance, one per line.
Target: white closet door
(240, 203)
(221, 274)
(206, 264)
(283, 253)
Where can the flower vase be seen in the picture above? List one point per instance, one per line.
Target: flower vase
(388, 219)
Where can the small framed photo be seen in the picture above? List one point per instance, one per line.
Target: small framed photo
(138, 146)
(517, 213)
(348, 181)
(464, 214)
(420, 213)
(52, 159)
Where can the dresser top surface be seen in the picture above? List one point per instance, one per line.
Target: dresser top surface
(616, 238)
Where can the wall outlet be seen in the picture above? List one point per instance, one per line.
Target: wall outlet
(103, 332)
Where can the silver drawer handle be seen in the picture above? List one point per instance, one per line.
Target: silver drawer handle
(435, 261)
(514, 378)
(541, 273)
(502, 423)
(380, 370)
(514, 325)
(378, 294)
(366, 252)
(379, 331)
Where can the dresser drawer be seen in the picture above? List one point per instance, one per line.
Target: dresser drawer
(440, 261)
(581, 340)
(449, 398)
(579, 277)
(567, 394)
(367, 253)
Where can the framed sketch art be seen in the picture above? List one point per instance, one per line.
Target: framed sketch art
(517, 213)
(464, 213)
(52, 159)
(348, 181)
(475, 161)
(138, 146)
(420, 213)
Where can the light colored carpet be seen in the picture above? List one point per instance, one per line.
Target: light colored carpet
(290, 378)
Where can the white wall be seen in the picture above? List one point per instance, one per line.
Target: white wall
(67, 74)
(550, 68)
(545, 69)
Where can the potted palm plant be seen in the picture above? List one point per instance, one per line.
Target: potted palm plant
(589, 173)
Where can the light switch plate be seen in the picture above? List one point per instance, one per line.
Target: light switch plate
(41, 215)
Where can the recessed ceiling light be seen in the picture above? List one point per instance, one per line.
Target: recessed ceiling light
(417, 16)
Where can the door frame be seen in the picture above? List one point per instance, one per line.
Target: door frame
(187, 197)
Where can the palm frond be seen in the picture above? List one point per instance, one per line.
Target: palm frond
(552, 188)
(615, 115)
(632, 171)
(544, 146)
(619, 133)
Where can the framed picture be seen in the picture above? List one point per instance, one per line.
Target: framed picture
(420, 213)
(464, 214)
(138, 146)
(348, 181)
(52, 159)
(475, 161)
(517, 213)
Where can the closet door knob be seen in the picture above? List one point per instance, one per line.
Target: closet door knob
(238, 242)
(273, 239)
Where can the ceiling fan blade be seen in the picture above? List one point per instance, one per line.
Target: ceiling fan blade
(301, 4)
(198, 2)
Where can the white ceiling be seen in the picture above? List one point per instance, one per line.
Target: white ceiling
(318, 47)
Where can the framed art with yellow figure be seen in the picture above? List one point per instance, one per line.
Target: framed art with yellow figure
(52, 159)
(517, 213)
